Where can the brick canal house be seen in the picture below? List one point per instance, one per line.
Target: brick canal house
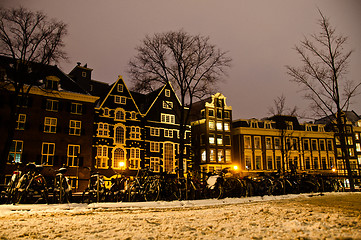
(54, 125)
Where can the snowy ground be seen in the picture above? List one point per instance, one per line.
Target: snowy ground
(331, 216)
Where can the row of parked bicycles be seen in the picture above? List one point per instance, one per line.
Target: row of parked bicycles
(32, 187)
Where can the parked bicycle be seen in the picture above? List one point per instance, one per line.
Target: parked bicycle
(96, 190)
(9, 194)
(31, 187)
(62, 191)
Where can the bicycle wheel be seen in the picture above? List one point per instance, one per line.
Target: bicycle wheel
(62, 194)
(215, 192)
(134, 194)
(151, 191)
(88, 196)
(232, 187)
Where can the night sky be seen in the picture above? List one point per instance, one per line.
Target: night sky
(259, 36)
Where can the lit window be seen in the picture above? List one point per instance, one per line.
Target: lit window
(211, 125)
(203, 155)
(211, 139)
(47, 154)
(212, 155)
(76, 108)
(52, 105)
(50, 125)
(220, 156)
(118, 158)
(167, 105)
(20, 123)
(247, 142)
(219, 140)
(219, 126)
(226, 126)
(257, 142)
(73, 155)
(358, 147)
(268, 143)
(16, 151)
(228, 155)
(277, 143)
(248, 159)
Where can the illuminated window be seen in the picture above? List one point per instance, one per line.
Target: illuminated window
(118, 158)
(73, 154)
(220, 156)
(16, 151)
(226, 126)
(212, 155)
(268, 143)
(47, 154)
(20, 123)
(203, 155)
(75, 127)
(211, 125)
(219, 126)
(257, 142)
(277, 143)
(248, 159)
(211, 139)
(247, 142)
(228, 156)
(219, 140)
(50, 125)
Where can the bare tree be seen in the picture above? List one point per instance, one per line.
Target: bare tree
(190, 63)
(279, 107)
(28, 40)
(323, 76)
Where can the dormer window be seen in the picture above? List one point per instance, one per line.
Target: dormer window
(308, 128)
(254, 124)
(289, 125)
(83, 74)
(167, 93)
(52, 83)
(321, 128)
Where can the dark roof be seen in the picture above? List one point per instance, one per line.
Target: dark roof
(41, 71)
(282, 119)
(195, 113)
(144, 101)
(350, 115)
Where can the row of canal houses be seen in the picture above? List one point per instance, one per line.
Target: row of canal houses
(74, 121)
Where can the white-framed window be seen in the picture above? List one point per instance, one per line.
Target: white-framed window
(76, 108)
(118, 158)
(47, 154)
(168, 133)
(102, 157)
(52, 105)
(106, 112)
(120, 99)
(269, 159)
(73, 155)
(155, 164)
(167, 105)
(168, 157)
(120, 87)
(212, 155)
(248, 159)
(258, 162)
(247, 142)
(50, 125)
(134, 161)
(75, 127)
(20, 123)
(120, 115)
(119, 136)
(167, 118)
(268, 143)
(277, 143)
(103, 130)
(133, 115)
(16, 151)
(167, 92)
(154, 131)
(154, 146)
(135, 132)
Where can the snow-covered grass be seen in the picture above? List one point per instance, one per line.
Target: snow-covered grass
(330, 216)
